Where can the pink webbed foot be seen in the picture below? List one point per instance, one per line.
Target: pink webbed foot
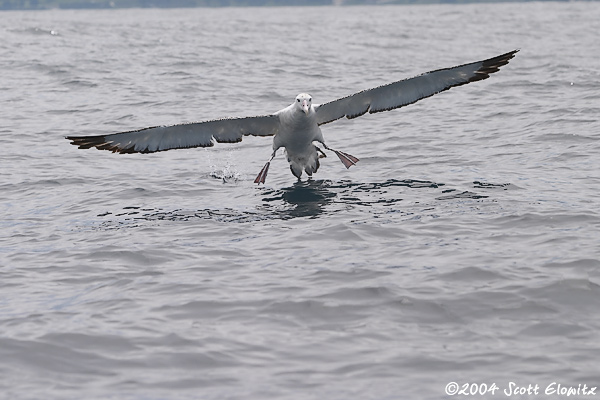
(347, 159)
(262, 174)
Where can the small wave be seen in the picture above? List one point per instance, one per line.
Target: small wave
(462, 195)
(499, 186)
(36, 31)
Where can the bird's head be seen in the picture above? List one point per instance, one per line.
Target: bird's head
(304, 102)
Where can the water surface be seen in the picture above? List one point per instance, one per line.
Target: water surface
(463, 247)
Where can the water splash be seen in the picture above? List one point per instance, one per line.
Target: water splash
(227, 173)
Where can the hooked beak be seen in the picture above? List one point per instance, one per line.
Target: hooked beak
(305, 106)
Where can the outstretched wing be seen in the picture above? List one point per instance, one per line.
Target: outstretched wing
(198, 134)
(408, 91)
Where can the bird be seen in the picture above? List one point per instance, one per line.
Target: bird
(296, 128)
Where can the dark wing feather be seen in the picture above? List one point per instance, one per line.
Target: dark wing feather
(408, 91)
(198, 134)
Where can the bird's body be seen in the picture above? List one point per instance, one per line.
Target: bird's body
(296, 128)
(299, 148)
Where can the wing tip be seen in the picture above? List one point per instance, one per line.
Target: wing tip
(492, 65)
(100, 143)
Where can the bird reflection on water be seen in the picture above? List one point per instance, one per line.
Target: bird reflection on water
(311, 198)
(302, 199)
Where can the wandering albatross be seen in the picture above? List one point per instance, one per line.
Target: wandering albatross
(296, 127)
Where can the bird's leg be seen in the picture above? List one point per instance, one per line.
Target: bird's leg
(262, 175)
(347, 159)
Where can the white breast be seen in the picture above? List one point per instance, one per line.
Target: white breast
(297, 132)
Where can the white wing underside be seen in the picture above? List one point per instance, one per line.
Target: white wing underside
(198, 134)
(408, 91)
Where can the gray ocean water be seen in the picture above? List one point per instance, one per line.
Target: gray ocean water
(463, 247)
